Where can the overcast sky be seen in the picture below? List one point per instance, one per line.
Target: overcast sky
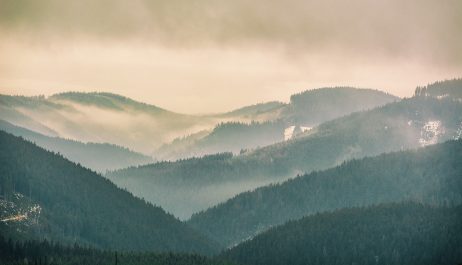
(215, 55)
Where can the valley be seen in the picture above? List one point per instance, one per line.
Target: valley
(214, 132)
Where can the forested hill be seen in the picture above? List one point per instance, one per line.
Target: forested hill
(272, 122)
(316, 106)
(101, 118)
(393, 234)
(108, 101)
(96, 156)
(74, 204)
(432, 175)
(410, 123)
(442, 89)
(235, 137)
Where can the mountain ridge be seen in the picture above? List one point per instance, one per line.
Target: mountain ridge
(96, 156)
(266, 123)
(430, 175)
(107, 99)
(78, 205)
(409, 123)
(88, 116)
(396, 233)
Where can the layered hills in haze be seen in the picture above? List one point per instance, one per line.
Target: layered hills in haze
(101, 117)
(96, 156)
(221, 132)
(335, 176)
(431, 175)
(110, 118)
(191, 185)
(268, 123)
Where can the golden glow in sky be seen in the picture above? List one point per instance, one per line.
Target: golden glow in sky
(214, 56)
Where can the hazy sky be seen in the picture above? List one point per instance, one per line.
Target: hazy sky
(216, 55)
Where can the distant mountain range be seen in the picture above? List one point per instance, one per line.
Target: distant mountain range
(96, 156)
(109, 118)
(100, 118)
(272, 122)
(235, 137)
(312, 107)
(296, 183)
(45, 196)
(191, 185)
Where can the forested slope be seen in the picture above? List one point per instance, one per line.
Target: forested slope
(393, 234)
(265, 124)
(78, 205)
(46, 252)
(410, 123)
(432, 175)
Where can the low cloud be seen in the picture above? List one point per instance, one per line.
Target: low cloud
(431, 28)
(216, 55)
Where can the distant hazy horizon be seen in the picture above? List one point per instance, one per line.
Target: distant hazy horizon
(186, 109)
(215, 56)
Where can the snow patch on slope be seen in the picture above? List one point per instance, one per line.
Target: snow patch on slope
(289, 132)
(292, 131)
(458, 132)
(430, 132)
(442, 96)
